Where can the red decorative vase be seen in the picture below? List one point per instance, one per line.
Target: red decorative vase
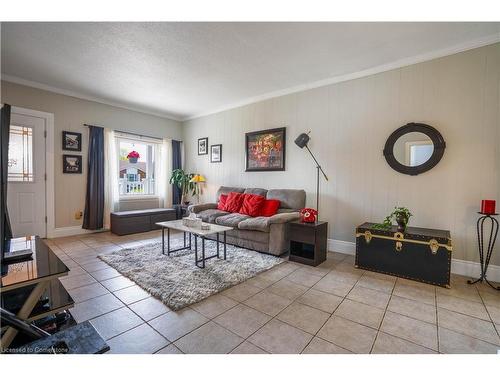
(488, 207)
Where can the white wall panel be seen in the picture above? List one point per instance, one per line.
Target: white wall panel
(350, 122)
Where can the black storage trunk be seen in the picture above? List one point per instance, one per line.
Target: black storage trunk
(419, 254)
(138, 221)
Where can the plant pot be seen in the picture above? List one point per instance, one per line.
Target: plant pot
(401, 221)
(132, 160)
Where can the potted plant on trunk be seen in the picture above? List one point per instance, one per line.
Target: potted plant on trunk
(183, 181)
(401, 215)
(133, 156)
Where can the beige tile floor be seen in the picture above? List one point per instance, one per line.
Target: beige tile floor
(333, 308)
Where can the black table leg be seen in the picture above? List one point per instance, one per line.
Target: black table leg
(203, 250)
(168, 241)
(196, 249)
(163, 240)
(485, 258)
(224, 245)
(184, 238)
(217, 245)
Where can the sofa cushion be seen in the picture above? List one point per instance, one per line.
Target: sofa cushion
(234, 202)
(289, 198)
(195, 208)
(210, 215)
(251, 235)
(255, 223)
(231, 220)
(269, 207)
(252, 204)
(263, 224)
(256, 191)
(226, 190)
(222, 202)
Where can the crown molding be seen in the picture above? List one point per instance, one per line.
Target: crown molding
(74, 94)
(477, 43)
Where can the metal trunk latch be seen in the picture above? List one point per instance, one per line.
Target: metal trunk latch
(368, 236)
(434, 245)
(398, 236)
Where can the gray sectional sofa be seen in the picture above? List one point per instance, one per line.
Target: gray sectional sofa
(264, 234)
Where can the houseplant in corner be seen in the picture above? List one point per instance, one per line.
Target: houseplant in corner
(400, 214)
(183, 181)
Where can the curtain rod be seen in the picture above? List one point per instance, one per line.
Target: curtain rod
(126, 132)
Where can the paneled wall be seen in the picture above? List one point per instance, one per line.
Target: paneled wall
(70, 114)
(349, 123)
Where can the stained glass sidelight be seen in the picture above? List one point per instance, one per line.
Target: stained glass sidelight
(20, 163)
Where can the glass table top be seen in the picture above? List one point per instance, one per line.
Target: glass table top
(43, 264)
(54, 298)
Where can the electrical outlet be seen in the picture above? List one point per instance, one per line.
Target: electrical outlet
(78, 215)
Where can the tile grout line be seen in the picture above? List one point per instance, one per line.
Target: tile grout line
(331, 315)
(251, 343)
(293, 301)
(383, 316)
(437, 322)
(125, 305)
(488, 312)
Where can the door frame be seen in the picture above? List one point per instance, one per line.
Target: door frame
(49, 163)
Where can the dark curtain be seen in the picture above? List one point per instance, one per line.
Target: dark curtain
(4, 157)
(176, 164)
(93, 217)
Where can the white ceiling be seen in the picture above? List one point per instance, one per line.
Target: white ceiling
(183, 70)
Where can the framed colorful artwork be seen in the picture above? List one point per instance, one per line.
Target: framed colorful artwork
(265, 150)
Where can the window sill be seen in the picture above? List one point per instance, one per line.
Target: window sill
(127, 198)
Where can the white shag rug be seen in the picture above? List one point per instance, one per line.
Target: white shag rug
(176, 280)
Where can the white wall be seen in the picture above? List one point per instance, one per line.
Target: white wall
(350, 122)
(71, 114)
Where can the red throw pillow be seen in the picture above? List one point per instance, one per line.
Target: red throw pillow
(233, 202)
(269, 207)
(222, 202)
(252, 204)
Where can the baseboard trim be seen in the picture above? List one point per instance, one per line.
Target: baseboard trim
(71, 231)
(458, 266)
(473, 269)
(344, 247)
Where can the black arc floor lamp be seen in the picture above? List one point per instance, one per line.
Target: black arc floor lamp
(302, 141)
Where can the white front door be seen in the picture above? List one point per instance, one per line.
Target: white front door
(26, 198)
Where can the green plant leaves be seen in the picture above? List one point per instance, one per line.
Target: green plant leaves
(399, 212)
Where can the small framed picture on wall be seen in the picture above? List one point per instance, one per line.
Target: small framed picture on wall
(216, 153)
(71, 141)
(202, 146)
(72, 163)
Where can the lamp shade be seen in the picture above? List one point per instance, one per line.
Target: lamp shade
(197, 178)
(302, 140)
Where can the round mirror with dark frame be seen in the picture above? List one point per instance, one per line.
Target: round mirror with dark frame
(414, 148)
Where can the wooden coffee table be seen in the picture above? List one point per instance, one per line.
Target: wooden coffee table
(197, 233)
